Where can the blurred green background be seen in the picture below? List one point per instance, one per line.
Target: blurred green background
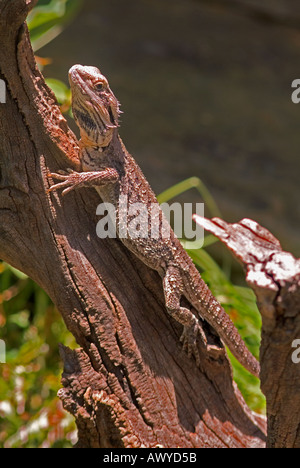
(205, 88)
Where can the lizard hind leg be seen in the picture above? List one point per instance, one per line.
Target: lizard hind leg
(173, 291)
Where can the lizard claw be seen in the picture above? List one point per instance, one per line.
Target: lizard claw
(189, 340)
(68, 180)
(60, 174)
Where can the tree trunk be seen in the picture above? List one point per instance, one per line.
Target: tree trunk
(129, 384)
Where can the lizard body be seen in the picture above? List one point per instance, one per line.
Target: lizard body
(108, 167)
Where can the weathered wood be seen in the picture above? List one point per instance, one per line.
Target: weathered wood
(129, 384)
(274, 275)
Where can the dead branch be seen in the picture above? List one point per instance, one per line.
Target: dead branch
(274, 275)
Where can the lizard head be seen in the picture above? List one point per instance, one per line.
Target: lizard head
(95, 107)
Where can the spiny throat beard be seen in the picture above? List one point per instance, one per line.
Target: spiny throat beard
(96, 124)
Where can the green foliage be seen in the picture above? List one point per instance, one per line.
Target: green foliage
(62, 93)
(30, 412)
(48, 19)
(45, 22)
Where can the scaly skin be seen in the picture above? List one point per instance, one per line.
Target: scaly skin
(110, 169)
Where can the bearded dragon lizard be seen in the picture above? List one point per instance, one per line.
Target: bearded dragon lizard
(108, 167)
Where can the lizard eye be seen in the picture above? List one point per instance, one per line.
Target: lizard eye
(99, 86)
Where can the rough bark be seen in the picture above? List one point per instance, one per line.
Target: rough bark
(274, 275)
(129, 384)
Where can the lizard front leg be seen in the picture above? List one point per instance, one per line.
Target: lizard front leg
(173, 290)
(73, 179)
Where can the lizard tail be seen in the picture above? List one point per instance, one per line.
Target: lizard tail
(211, 311)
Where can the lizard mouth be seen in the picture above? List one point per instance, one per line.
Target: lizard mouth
(113, 121)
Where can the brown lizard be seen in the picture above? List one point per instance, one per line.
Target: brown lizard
(110, 169)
